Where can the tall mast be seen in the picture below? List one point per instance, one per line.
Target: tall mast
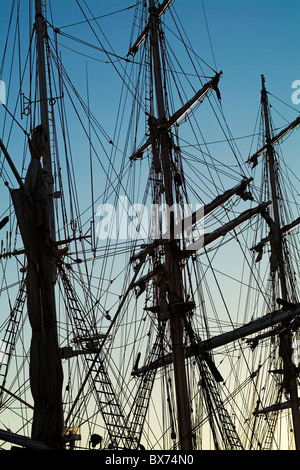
(41, 29)
(45, 356)
(171, 250)
(289, 369)
(275, 231)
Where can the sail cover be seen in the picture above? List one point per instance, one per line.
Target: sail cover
(45, 364)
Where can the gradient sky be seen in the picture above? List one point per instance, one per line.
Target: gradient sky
(249, 38)
(246, 39)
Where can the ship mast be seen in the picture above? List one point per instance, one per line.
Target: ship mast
(41, 29)
(48, 415)
(275, 229)
(171, 249)
(289, 369)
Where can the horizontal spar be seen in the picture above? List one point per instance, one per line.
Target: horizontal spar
(208, 238)
(160, 11)
(223, 339)
(55, 244)
(284, 230)
(274, 140)
(221, 199)
(211, 84)
(197, 216)
(22, 441)
(272, 408)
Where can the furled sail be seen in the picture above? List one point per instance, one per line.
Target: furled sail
(45, 366)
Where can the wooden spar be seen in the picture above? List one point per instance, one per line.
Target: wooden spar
(22, 441)
(55, 244)
(3, 222)
(16, 397)
(207, 209)
(255, 326)
(274, 140)
(211, 84)
(12, 166)
(222, 231)
(270, 409)
(202, 243)
(221, 199)
(160, 11)
(284, 230)
(171, 254)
